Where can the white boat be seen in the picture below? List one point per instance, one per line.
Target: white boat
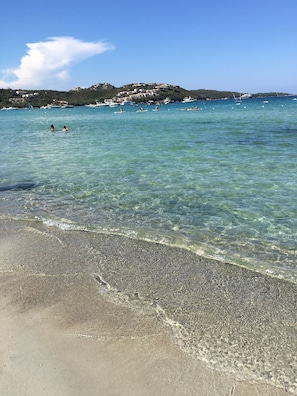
(188, 99)
(127, 102)
(51, 106)
(246, 96)
(238, 99)
(110, 103)
(97, 104)
(67, 106)
(10, 108)
(167, 100)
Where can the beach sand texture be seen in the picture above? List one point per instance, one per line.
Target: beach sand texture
(74, 320)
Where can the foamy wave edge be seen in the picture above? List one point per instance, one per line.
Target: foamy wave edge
(200, 249)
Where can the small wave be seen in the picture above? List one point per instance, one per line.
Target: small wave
(201, 249)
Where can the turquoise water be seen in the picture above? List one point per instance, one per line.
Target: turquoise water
(220, 181)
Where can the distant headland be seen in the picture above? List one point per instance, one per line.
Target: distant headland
(102, 92)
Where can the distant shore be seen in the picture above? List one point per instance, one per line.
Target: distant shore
(151, 93)
(67, 331)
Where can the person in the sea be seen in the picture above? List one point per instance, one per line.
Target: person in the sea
(52, 128)
(65, 129)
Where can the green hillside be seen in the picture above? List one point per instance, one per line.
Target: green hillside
(138, 92)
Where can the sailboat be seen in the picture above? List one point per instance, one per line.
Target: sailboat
(237, 100)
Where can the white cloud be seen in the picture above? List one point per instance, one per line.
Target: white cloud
(47, 62)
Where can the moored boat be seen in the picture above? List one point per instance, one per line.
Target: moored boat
(188, 99)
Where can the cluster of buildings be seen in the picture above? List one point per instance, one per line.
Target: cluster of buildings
(23, 97)
(136, 91)
(140, 91)
(26, 95)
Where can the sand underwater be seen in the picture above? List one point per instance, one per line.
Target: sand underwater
(94, 314)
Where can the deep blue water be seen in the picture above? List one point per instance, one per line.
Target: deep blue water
(220, 181)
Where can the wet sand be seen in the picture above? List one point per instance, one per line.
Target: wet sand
(65, 331)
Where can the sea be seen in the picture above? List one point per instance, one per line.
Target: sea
(215, 178)
(219, 181)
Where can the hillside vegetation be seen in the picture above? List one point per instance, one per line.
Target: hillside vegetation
(138, 92)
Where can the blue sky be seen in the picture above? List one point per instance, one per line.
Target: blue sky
(236, 45)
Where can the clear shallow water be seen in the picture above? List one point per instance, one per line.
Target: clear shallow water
(220, 181)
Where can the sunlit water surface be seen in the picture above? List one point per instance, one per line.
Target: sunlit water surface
(220, 181)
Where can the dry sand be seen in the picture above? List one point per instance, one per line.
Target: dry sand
(61, 335)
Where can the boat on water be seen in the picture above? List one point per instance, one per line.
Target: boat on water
(107, 102)
(111, 103)
(61, 104)
(141, 110)
(10, 108)
(127, 102)
(166, 101)
(246, 96)
(188, 99)
(99, 104)
(50, 106)
(239, 98)
(67, 106)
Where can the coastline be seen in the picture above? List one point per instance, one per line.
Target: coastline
(84, 314)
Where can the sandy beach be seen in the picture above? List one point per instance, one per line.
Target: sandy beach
(66, 331)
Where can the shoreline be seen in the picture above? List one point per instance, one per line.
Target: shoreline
(84, 314)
